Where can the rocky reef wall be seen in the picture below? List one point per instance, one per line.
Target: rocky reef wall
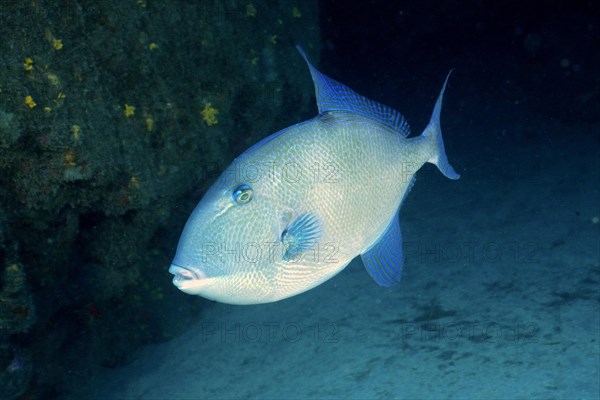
(115, 116)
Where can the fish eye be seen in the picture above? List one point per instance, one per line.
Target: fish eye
(242, 194)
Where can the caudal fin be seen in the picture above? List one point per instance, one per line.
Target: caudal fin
(433, 131)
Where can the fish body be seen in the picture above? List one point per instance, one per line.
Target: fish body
(294, 209)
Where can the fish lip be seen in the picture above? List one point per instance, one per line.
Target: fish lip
(182, 274)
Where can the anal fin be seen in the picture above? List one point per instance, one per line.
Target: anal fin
(384, 260)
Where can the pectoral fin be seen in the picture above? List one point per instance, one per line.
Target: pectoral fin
(301, 236)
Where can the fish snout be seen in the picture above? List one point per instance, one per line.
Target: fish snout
(182, 274)
(191, 280)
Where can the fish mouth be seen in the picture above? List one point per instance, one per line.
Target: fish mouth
(191, 280)
(182, 274)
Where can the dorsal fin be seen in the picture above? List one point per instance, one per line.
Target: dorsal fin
(334, 96)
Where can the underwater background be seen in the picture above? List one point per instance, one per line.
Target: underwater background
(116, 116)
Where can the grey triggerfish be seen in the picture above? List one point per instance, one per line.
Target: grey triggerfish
(294, 209)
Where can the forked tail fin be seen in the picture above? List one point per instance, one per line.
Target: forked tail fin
(433, 131)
